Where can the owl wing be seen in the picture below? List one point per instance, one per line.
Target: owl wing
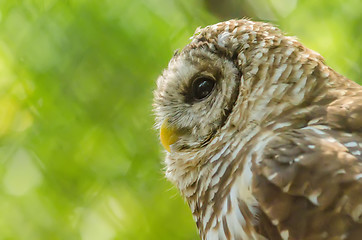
(309, 181)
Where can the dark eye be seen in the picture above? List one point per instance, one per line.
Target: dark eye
(202, 87)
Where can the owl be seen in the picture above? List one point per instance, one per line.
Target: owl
(263, 139)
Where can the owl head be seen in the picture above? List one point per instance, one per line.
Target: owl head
(224, 83)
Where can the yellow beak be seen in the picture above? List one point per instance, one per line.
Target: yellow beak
(168, 135)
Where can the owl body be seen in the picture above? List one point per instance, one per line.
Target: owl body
(264, 139)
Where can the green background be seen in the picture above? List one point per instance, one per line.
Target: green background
(79, 156)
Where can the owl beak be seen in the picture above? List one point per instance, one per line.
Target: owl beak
(168, 135)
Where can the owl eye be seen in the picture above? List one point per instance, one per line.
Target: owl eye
(202, 87)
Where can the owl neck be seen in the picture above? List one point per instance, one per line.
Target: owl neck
(212, 190)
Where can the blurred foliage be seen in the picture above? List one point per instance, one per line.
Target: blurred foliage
(79, 156)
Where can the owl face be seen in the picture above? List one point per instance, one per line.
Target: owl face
(195, 96)
(200, 87)
(224, 83)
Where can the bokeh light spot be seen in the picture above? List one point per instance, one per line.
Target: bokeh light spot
(95, 227)
(21, 175)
